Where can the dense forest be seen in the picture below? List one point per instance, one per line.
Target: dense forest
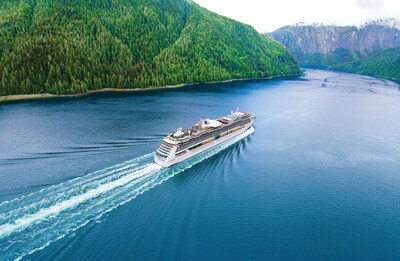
(384, 64)
(72, 46)
(327, 61)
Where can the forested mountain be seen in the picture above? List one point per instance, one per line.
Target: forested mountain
(384, 64)
(335, 47)
(72, 46)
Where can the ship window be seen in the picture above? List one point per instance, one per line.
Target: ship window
(163, 151)
(160, 155)
(166, 144)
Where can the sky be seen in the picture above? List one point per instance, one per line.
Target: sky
(269, 15)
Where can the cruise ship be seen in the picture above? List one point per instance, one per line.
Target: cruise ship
(186, 143)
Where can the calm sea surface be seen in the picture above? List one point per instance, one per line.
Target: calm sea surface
(319, 179)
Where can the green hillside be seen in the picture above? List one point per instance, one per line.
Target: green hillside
(384, 64)
(325, 61)
(72, 46)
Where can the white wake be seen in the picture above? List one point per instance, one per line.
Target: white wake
(33, 221)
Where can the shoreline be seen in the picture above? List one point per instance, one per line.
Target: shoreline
(28, 97)
(395, 80)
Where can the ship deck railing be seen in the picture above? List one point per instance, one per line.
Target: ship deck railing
(198, 133)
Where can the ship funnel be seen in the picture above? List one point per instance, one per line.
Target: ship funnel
(179, 132)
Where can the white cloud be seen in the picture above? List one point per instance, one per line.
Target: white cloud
(269, 15)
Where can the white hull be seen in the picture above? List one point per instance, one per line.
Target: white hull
(172, 160)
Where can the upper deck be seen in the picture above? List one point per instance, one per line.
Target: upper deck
(205, 126)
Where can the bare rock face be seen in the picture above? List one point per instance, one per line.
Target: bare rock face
(325, 40)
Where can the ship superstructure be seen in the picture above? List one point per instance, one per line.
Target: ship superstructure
(185, 143)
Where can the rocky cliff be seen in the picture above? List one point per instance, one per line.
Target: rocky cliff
(321, 46)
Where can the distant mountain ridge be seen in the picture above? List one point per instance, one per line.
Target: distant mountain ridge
(367, 39)
(72, 46)
(335, 47)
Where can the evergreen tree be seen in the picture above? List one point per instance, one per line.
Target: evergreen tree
(66, 47)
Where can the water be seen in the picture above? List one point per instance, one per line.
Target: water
(318, 179)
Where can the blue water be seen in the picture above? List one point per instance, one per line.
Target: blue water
(319, 179)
